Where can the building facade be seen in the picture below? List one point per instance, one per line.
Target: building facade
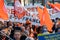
(42, 2)
(31, 2)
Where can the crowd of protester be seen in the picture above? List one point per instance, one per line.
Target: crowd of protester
(25, 31)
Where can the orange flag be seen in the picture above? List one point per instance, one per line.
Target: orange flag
(45, 18)
(3, 12)
(57, 5)
(19, 10)
(40, 15)
(47, 21)
(54, 6)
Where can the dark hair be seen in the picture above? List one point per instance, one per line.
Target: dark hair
(57, 18)
(57, 29)
(39, 29)
(17, 31)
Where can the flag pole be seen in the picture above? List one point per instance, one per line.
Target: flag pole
(53, 9)
(14, 10)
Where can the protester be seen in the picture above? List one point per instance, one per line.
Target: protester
(25, 31)
(17, 35)
(30, 37)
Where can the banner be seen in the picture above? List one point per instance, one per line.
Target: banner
(49, 36)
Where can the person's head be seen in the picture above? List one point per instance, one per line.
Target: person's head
(58, 30)
(53, 21)
(31, 34)
(58, 24)
(1, 24)
(17, 34)
(6, 31)
(9, 23)
(57, 19)
(15, 24)
(23, 29)
(5, 24)
(18, 24)
(39, 29)
(28, 22)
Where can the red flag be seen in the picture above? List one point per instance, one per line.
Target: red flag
(3, 11)
(40, 15)
(47, 21)
(19, 10)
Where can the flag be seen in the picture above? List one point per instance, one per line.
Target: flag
(45, 18)
(57, 5)
(40, 15)
(54, 6)
(47, 21)
(19, 10)
(3, 11)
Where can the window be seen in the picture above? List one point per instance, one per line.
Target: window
(9, 2)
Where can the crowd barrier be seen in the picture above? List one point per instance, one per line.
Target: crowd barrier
(55, 36)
